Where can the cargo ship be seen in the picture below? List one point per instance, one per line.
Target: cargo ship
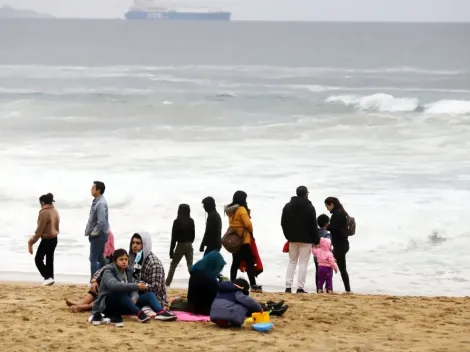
(169, 11)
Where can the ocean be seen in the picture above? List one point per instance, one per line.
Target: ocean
(377, 115)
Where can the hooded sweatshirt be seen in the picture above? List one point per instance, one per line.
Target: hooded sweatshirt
(149, 268)
(299, 221)
(183, 230)
(213, 232)
(324, 255)
(232, 305)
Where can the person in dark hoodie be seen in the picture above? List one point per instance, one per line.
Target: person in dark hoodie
(339, 238)
(299, 224)
(212, 235)
(182, 236)
(233, 304)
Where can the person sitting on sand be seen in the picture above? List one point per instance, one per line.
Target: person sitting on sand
(182, 236)
(204, 283)
(233, 304)
(119, 294)
(47, 230)
(213, 233)
(326, 265)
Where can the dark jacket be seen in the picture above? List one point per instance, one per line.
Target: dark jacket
(182, 231)
(111, 282)
(299, 221)
(213, 233)
(202, 291)
(232, 305)
(337, 228)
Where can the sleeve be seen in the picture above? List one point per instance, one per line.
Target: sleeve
(284, 221)
(193, 231)
(332, 262)
(315, 251)
(336, 225)
(173, 236)
(211, 230)
(98, 275)
(100, 219)
(245, 218)
(314, 227)
(248, 302)
(42, 223)
(115, 285)
(156, 282)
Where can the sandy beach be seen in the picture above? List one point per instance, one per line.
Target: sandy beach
(35, 318)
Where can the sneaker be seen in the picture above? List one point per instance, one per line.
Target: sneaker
(276, 305)
(48, 282)
(165, 315)
(150, 313)
(257, 288)
(278, 312)
(97, 318)
(117, 321)
(288, 290)
(301, 290)
(142, 317)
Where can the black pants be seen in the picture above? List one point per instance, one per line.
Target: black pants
(243, 254)
(46, 249)
(340, 256)
(316, 271)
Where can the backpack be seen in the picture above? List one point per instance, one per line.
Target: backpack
(350, 226)
(231, 241)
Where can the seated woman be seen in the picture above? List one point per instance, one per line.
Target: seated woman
(119, 294)
(204, 283)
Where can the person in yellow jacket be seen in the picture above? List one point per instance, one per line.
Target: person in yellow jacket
(239, 218)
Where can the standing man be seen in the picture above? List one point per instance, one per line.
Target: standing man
(97, 227)
(299, 224)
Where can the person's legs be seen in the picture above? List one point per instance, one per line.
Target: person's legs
(316, 271)
(177, 256)
(149, 299)
(293, 259)
(305, 251)
(236, 260)
(322, 277)
(247, 256)
(39, 259)
(189, 252)
(329, 280)
(87, 299)
(120, 304)
(97, 260)
(340, 256)
(51, 246)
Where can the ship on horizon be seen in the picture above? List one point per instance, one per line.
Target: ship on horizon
(170, 11)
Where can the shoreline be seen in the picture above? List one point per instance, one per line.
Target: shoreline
(36, 318)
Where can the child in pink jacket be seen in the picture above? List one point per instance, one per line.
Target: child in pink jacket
(109, 247)
(326, 265)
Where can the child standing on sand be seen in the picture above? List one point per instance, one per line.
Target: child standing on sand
(326, 265)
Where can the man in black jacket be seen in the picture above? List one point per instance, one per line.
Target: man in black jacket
(299, 224)
(213, 233)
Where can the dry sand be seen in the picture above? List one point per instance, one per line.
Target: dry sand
(35, 318)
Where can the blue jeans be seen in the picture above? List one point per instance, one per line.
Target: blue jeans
(97, 259)
(118, 303)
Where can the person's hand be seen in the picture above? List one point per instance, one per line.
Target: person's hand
(171, 255)
(142, 286)
(134, 300)
(201, 249)
(336, 271)
(30, 248)
(94, 287)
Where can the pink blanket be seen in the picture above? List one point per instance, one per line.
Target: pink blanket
(184, 316)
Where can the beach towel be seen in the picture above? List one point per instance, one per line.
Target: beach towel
(185, 316)
(256, 259)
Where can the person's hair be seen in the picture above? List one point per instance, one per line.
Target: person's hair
(119, 253)
(239, 197)
(184, 212)
(301, 191)
(323, 220)
(336, 203)
(100, 186)
(47, 198)
(242, 283)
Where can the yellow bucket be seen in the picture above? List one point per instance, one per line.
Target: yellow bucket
(260, 317)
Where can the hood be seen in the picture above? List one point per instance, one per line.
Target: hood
(146, 246)
(209, 204)
(210, 265)
(231, 209)
(323, 232)
(325, 244)
(228, 286)
(299, 202)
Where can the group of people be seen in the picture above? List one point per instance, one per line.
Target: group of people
(134, 282)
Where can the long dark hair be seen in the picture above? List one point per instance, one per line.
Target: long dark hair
(46, 198)
(337, 204)
(184, 216)
(239, 197)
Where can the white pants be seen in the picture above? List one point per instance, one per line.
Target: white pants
(298, 252)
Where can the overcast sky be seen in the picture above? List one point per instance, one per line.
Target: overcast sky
(325, 10)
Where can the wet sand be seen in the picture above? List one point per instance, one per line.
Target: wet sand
(36, 318)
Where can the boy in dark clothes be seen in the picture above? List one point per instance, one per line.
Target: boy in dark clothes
(212, 235)
(233, 304)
